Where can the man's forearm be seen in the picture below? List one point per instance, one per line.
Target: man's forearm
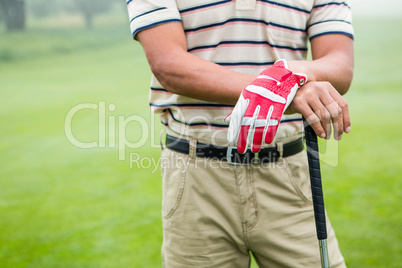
(326, 69)
(332, 62)
(185, 74)
(197, 78)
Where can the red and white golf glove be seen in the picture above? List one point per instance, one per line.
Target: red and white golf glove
(261, 105)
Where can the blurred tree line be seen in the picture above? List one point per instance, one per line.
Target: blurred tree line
(13, 13)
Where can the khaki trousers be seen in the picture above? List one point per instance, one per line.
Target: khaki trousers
(215, 214)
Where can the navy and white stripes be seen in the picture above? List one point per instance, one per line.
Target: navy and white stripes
(244, 41)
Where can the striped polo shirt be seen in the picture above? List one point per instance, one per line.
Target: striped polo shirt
(246, 36)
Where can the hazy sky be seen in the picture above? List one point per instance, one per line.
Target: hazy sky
(382, 8)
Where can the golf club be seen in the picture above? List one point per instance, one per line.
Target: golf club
(316, 189)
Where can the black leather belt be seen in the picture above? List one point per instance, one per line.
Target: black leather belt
(231, 155)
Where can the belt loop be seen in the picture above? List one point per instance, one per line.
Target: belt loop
(279, 148)
(160, 138)
(192, 149)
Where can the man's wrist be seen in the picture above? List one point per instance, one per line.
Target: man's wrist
(298, 66)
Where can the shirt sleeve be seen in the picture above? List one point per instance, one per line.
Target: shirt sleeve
(144, 14)
(330, 17)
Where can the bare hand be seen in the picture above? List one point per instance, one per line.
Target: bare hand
(321, 104)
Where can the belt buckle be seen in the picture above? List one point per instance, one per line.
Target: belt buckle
(229, 155)
(229, 158)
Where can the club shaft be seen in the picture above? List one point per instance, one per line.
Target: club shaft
(324, 253)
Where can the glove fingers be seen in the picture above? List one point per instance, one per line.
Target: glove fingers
(243, 139)
(267, 125)
(257, 140)
(259, 130)
(227, 118)
(232, 129)
(235, 118)
(270, 135)
(273, 118)
(246, 131)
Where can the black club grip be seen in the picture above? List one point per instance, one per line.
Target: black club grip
(315, 179)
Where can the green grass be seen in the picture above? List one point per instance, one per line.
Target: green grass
(62, 206)
(363, 193)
